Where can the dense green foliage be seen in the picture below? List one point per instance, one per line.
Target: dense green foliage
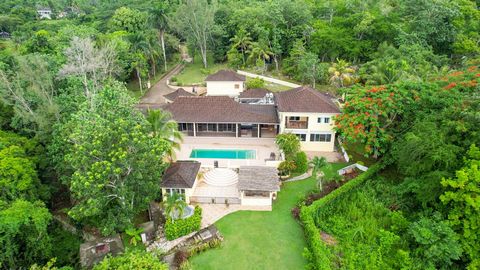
(115, 163)
(61, 88)
(301, 162)
(132, 260)
(175, 228)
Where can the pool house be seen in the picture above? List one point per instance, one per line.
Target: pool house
(221, 116)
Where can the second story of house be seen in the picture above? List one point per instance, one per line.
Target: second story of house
(44, 13)
(225, 83)
(308, 114)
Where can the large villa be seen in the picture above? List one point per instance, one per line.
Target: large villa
(229, 155)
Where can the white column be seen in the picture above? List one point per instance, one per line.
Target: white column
(236, 130)
(194, 130)
(258, 130)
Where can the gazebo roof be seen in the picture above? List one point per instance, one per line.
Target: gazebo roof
(259, 178)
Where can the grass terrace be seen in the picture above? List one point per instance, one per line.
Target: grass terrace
(262, 240)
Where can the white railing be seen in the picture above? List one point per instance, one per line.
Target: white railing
(344, 170)
(344, 152)
(268, 79)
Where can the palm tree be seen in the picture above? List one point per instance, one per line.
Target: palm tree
(242, 41)
(158, 18)
(341, 73)
(139, 48)
(174, 205)
(261, 50)
(163, 126)
(318, 164)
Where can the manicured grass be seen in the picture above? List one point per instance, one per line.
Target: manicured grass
(195, 73)
(262, 240)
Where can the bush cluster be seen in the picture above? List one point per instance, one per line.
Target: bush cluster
(318, 253)
(180, 227)
(301, 162)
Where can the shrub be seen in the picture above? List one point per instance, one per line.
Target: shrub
(286, 167)
(180, 227)
(255, 83)
(301, 162)
(173, 79)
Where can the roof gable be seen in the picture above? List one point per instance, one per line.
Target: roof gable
(180, 92)
(305, 99)
(219, 109)
(180, 174)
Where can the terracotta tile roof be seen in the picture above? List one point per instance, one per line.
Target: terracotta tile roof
(261, 178)
(219, 109)
(180, 174)
(254, 93)
(180, 92)
(226, 76)
(305, 99)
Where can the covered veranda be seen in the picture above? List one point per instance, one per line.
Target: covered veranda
(255, 130)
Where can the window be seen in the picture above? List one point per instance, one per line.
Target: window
(212, 127)
(326, 120)
(319, 120)
(294, 118)
(237, 86)
(202, 127)
(226, 127)
(302, 137)
(320, 137)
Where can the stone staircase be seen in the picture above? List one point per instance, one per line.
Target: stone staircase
(221, 177)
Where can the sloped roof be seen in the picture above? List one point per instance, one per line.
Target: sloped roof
(261, 178)
(180, 92)
(305, 99)
(180, 174)
(254, 93)
(219, 109)
(226, 76)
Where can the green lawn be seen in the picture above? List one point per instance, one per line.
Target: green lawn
(195, 73)
(261, 240)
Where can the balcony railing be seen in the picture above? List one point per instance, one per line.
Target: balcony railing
(297, 124)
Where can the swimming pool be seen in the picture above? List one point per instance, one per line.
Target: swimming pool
(223, 153)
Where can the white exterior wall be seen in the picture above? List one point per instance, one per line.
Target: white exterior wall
(216, 88)
(313, 127)
(256, 201)
(188, 192)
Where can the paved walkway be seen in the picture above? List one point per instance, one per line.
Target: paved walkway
(154, 96)
(211, 213)
(268, 79)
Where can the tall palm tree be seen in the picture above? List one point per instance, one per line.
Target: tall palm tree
(341, 74)
(261, 50)
(242, 41)
(139, 49)
(174, 206)
(159, 19)
(163, 126)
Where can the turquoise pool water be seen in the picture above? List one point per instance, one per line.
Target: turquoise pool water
(223, 153)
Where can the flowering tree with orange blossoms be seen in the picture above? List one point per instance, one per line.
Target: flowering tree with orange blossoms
(373, 115)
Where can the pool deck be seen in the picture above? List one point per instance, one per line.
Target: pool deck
(262, 147)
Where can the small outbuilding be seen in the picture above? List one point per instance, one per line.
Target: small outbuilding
(225, 83)
(181, 177)
(258, 185)
(93, 252)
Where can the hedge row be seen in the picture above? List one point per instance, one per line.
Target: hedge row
(318, 253)
(181, 227)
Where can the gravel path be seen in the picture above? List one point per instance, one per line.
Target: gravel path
(154, 96)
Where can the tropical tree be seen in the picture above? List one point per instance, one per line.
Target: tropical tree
(194, 20)
(318, 163)
(112, 162)
(261, 52)
(159, 19)
(174, 205)
(162, 125)
(464, 212)
(242, 41)
(342, 74)
(289, 144)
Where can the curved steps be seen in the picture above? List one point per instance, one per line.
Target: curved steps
(221, 177)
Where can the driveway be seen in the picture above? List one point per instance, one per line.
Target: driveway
(154, 96)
